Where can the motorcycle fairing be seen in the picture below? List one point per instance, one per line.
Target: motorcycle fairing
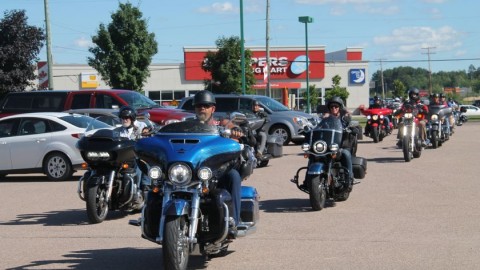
(177, 207)
(316, 168)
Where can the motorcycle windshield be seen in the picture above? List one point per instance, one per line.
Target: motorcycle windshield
(329, 130)
(190, 127)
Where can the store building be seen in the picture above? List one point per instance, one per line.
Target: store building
(168, 83)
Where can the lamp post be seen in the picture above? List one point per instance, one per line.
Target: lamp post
(306, 20)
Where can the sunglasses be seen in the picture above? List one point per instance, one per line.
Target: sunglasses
(206, 106)
(125, 118)
(334, 106)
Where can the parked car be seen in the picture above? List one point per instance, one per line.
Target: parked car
(470, 110)
(58, 101)
(284, 122)
(43, 143)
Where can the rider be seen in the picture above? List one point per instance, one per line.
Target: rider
(377, 104)
(133, 130)
(414, 99)
(204, 103)
(451, 119)
(261, 134)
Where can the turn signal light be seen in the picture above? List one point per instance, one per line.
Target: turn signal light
(125, 166)
(205, 190)
(156, 189)
(84, 166)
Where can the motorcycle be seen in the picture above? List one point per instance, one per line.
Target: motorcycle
(410, 139)
(325, 177)
(460, 116)
(185, 208)
(111, 181)
(375, 126)
(438, 130)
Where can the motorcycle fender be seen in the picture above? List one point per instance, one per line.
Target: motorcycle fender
(177, 207)
(315, 168)
(375, 125)
(434, 127)
(95, 180)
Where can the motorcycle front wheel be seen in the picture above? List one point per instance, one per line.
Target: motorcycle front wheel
(175, 244)
(406, 144)
(375, 135)
(318, 193)
(97, 204)
(434, 139)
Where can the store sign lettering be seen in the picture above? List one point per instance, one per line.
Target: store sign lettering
(278, 65)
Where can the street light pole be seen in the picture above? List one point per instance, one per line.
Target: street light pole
(306, 20)
(242, 47)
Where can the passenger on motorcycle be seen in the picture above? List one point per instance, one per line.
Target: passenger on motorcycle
(261, 134)
(133, 130)
(204, 103)
(414, 99)
(337, 109)
(378, 104)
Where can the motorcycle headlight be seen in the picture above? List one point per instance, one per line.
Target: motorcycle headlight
(382, 116)
(434, 117)
(334, 147)
(375, 117)
(180, 174)
(408, 115)
(98, 155)
(320, 147)
(204, 174)
(155, 173)
(305, 147)
(369, 116)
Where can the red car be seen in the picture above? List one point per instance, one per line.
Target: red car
(58, 101)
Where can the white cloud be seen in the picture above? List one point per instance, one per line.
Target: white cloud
(83, 42)
(225, 7)
(323, 2)
(409, 41)
(390, 10)
(434, 1)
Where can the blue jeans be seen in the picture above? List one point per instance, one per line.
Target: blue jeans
(232, 182)
(142, 179)
(346, 161)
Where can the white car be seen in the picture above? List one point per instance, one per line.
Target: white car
(43, 143)
(470, 110)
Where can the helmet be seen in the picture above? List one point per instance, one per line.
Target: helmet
(337, 100)
(397, 99)
(442, 96)
(256, 102)
(204, 97)
(376, 98)
(436, 95)
(129, 112)
(414, 94)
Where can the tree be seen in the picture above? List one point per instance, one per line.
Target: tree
(336, 90)
(124, 49)
(20, 45)
(314, 94)
(399, 89)
(225, 67)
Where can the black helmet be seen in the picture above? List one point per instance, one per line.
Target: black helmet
(414, 94)
(127, 111)
(204, 97)
(256, 102)
(337, 100)
(376, 98)
(436, 95)
(442, 96)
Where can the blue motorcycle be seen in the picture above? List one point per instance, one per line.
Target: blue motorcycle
(185, 208)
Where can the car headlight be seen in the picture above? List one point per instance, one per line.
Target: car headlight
(300, 121)
(180, 174)
(155, 173)
(169, 121)
(204, 173)
(320, 147)
(434, 117)
(334, 147)
(408, 115)
(375, 117)
(305, 147)
(98, 155)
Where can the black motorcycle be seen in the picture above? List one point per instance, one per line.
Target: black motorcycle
(325, 177)
(438, 130)
(111, 181)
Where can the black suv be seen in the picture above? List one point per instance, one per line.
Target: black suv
(284, 122)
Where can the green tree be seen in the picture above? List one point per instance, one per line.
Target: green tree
(124, 49)
(399, 89)
(225, 67)
(336, 90)
(20, 45)
(314, 94)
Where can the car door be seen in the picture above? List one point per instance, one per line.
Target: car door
(8, 130)
(28, 148)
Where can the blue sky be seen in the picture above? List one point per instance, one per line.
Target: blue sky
(396, 31)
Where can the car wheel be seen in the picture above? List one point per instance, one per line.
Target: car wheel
(281, 132)
(57, 167)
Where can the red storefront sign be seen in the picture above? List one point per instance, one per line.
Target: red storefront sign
(286, 64)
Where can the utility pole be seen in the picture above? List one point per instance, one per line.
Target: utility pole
(49, 46)
(267, 49)
(242, 48)
(381, 79)
(429, 69)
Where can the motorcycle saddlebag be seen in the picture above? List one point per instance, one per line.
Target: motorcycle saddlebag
(359, 165)
(249, 213)
(275, 146)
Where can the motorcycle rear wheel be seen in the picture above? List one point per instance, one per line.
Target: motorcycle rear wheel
(318, 193)
(406, 144)
(96, 202)
(175, 244)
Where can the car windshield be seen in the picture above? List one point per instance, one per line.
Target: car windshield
(189, 127)
(272, 104)
(138, 101)
(83, 121)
